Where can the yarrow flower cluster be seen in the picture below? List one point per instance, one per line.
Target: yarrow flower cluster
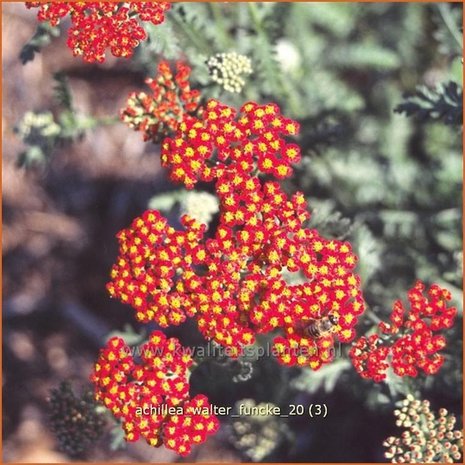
(158, 115)
(155, 271)
(151, 396)
(409, 343)
(233, 283)
(222, 140)
(427, 438)
(97, 26)
(227, 70)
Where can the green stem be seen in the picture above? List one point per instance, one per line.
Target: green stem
(255, 19)
(85, 123)
(108, 120)
(409, 386)
(372, 316)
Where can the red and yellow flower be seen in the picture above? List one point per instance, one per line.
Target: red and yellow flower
(136, 391)
(98, 26)
(223, 141)
(410, 343)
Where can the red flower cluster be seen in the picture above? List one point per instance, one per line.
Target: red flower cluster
(260, 238)
(151, 398)
(369, 357)
(223, 140)
(233, 284)
(158, 115)
(408, 343)
(97, 26)
(155, 270)
(191, 426)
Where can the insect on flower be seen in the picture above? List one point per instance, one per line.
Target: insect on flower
(321, 327)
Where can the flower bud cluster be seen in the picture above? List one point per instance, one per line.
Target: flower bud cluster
(256, 436)
(157, 115)
(227, 70)
(200, 205)
(74, 420)
(427, 437)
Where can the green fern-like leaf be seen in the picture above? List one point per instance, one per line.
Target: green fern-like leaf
(369, 251)
(193, 25)
(364, 55)
(161, 42)
(445, 103)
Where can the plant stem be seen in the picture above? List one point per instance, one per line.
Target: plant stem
(372, 316)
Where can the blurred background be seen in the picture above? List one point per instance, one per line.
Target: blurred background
(388, 181)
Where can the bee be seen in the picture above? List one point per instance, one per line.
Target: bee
(321, 327)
